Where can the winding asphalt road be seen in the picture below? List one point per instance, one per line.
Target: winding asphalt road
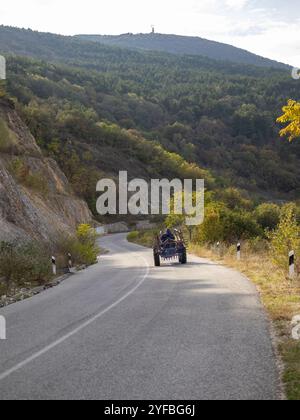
(125, 330)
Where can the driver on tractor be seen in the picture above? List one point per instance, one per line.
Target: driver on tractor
(167, 236)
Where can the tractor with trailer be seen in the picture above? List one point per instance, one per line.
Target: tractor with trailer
(170, 246)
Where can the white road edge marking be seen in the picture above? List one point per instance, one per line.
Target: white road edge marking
(56, 343)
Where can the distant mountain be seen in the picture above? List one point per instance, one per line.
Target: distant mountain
(175, 44)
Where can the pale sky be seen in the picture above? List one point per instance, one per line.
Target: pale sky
(265, 27)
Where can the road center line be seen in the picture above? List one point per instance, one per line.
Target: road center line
(56, 343)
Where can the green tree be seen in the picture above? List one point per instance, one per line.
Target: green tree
(212, 229)
(286, 237)
(268, 215)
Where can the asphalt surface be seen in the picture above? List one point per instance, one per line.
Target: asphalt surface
(125, 330)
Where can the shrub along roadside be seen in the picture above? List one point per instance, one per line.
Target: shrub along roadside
(29, 264)
(82, 246)
(24, 263)
(286, 237)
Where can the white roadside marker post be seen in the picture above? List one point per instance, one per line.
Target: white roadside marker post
(54, 266)
(292, 264)
(70, 261)
(238, 251)
(2, 328)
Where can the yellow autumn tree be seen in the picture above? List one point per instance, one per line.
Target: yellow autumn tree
(291, 115)
(85, 249)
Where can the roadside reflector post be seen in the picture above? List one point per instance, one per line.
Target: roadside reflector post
(70, 264)
(2, 328)
(54, 266)
(292, 264)
(238, 251)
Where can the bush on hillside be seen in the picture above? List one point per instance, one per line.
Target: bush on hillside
(268, 215)
(24, 175)
(222, 224)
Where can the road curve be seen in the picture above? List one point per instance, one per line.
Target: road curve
(125, 330)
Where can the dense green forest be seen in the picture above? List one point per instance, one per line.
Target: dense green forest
(56, 104)
(100, 109)
(182, 45)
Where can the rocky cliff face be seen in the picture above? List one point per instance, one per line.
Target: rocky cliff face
(36, 200)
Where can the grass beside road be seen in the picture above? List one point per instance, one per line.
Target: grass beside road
(279, 295)
(143, 238)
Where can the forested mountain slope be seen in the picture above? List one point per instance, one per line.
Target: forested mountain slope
(110, 109)
(184, 45)
(86, 146)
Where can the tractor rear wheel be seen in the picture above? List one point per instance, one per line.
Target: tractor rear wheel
(183, 257)
(156, 260)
